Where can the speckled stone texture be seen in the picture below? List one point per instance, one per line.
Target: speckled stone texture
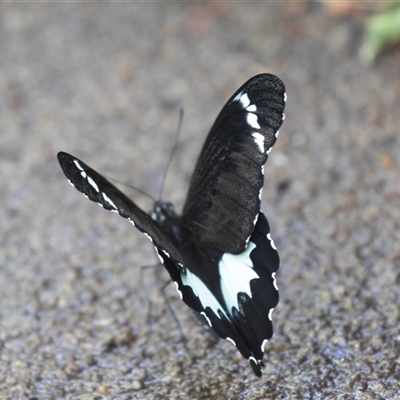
(79, 317)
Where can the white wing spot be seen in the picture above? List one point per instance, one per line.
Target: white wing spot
(252, 120)
(271, 241)
(207, 319)
(148, 236)
(71, 183)
(231, 340)
(285, 97)
(203, 293)
(159, 255)
(252, 358)
(283, 116)
(93, 184)
(256, 217)
(109, 201)
(236, 272)
(277, 134)
(274, 282)
(84, 174)
(270, 314)
(101, 205)
(252, 108)
(259, 141)
(166, 253)
(243, 99)
(131, 221)
(263, 344)
(177, 289)
(76, 162)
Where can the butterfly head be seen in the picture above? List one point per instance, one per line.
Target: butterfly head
(162, 211)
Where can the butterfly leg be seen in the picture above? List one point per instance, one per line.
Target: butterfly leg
(171, 310)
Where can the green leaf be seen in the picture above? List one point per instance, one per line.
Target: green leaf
(382, 31)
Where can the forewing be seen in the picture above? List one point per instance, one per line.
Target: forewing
(225, 190)
(95, 187)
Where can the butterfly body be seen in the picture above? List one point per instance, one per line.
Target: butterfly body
(219, 252)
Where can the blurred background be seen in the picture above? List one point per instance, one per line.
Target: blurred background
(79, 317)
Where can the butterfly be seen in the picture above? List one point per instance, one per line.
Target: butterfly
(218, 252)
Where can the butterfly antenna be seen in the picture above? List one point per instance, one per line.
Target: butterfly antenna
(171, 156)
(132, 187)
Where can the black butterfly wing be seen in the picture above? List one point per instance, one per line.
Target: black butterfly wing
(97, 188)
(238, 303)
(219, 254)
(225, 189)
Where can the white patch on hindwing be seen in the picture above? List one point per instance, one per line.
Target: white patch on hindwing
(271, 241)
(274, 281)
(270, 314)
(179, 292)
(207, 319)
(251, 358)
(207, 299)
(263, 344)
(236, 272)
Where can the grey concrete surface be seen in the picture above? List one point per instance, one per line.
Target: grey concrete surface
(79, 318)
